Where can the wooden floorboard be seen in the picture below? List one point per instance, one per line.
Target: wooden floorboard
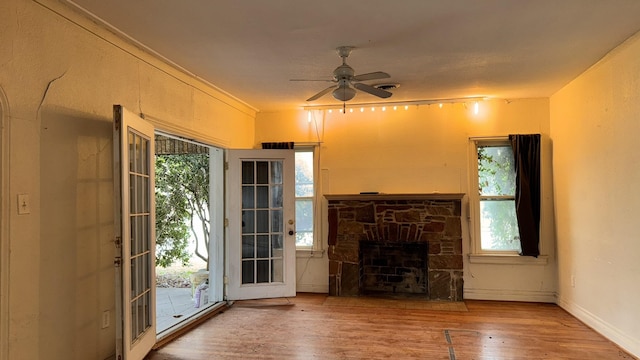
(313, 326)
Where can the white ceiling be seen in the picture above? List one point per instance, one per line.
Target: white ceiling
(433, 48)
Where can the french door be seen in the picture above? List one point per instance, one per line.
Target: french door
(135, 234)
(261, 231)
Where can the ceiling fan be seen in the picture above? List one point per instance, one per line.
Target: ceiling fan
(346, 81)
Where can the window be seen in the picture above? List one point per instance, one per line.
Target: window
(496, 225)
(305, 198)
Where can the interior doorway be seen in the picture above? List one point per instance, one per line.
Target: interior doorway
(188, 230)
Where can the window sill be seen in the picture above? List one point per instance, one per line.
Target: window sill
(508, 259)
(309, 253)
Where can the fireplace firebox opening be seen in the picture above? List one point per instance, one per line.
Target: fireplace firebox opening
(393, 269)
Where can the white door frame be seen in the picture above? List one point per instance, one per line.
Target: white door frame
(216, 217)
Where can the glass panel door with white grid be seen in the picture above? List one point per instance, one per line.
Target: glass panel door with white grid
(261, 224)
(135, 225)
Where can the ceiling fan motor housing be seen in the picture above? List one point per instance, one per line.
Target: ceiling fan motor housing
(343, 71)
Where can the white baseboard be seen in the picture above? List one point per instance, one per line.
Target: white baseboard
(312, 288)
(510, 295)
(626, 342)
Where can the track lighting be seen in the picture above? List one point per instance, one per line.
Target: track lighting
(394, 104)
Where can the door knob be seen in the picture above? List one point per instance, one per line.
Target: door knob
(290, 232)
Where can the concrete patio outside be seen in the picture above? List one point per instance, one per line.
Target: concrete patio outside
(173, 306)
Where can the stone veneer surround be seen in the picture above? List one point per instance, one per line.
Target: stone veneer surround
(434, 219)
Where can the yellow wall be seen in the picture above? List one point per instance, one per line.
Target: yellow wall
(595, 123)
(61, 74)
(422, 150)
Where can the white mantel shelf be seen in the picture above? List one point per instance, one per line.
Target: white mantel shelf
(381, 196)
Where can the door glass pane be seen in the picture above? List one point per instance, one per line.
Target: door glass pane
(146, 203)
(276, 221)
(139, 195)
(147, 267)
(262, 198)
(132, 154)
(247, 172)
(147, 309)
(247, 197)
(248, 251)
(263, 246)
(132, 194)
(262, 271)
(146, 232)
(138, 154)
(277, 273)
(247, 272)
(134, 235)
(276, 196)
(276, 172)
(144, 157)
(248, 222)
(134, 323)
(262, 221)
(276, 245)
(262, 172)
(134, 279)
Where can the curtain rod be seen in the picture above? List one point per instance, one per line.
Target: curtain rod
(481, 138)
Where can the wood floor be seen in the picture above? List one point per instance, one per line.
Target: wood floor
(314, 326)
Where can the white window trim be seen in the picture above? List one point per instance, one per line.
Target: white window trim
(316, 249)
(477, 255)
(507, 259)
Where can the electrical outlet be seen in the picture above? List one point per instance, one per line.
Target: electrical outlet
(573, 281)
(106, 319)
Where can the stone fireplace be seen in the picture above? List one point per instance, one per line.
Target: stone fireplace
(402, 244)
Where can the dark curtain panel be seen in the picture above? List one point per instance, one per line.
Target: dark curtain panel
(526, 151)
(277, 145)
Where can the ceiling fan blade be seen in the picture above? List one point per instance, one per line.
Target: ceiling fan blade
(323, 80)
(371, 76)
(372, 90)
(322, 93)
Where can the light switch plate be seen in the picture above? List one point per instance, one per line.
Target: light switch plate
(24, 206)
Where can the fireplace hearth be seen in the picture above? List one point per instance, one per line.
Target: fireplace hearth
(403, 244)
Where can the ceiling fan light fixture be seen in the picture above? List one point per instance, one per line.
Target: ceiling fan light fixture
(344, 93)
